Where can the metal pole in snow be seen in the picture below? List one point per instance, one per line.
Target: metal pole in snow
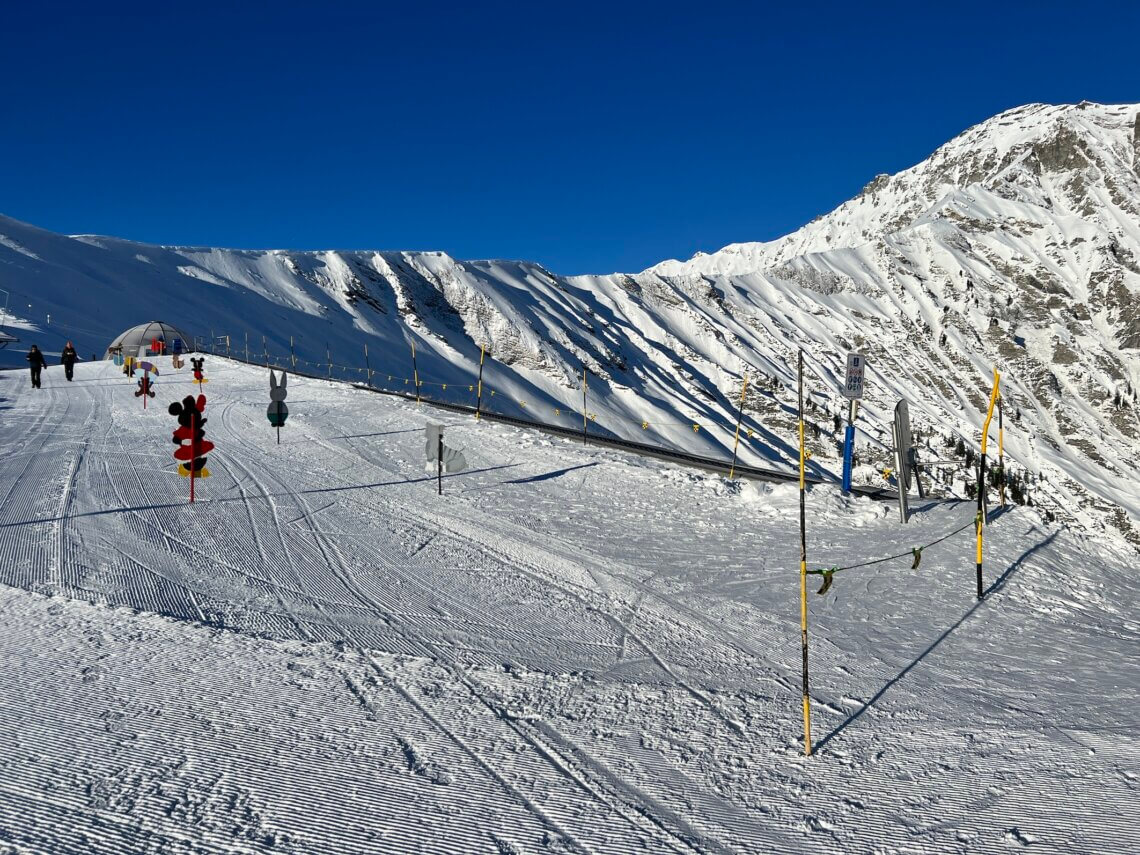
(439, 465)
(328, 356)
(916, 469)
(367, 367)
(247, 346)
(739, 418)
(584, 405)
(193, 433)
(265, 351)
(849, 446)
(981, 521)
(292, 354)
(479, 393)
(1001, 455)
(415, 373)
(803, 569)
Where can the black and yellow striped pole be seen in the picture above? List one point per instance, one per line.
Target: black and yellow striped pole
(415, 371)
(981, 520)
(803, 569)
(584, 420)
(479, 393)
(739, 418)
(1001, 454)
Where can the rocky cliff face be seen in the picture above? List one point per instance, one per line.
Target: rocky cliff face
(1015, 246)
(1136, 145)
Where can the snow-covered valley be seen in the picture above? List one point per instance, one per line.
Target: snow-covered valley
(570, 650)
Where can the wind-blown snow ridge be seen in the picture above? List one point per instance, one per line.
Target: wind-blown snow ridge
(1016, 246)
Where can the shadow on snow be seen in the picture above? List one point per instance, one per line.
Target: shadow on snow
(997, 585)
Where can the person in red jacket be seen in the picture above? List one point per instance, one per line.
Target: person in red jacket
(37, 363)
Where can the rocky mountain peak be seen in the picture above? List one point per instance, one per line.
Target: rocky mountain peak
(1016, 246)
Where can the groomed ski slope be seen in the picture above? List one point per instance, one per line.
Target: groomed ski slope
(571, 650)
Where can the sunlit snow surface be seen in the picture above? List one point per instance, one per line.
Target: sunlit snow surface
(571, 650)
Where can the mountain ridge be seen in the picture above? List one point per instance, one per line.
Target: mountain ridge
(1014, 245)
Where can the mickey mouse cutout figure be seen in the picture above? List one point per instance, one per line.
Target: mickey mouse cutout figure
(199, 378)
(277, 412)
(145, 384)
(190, 437)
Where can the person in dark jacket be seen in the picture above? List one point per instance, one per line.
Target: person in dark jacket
(68, 359)
(37, 363)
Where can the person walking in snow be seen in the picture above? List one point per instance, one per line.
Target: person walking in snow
(68, 359)
(37, 363)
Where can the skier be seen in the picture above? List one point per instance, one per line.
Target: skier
(68, 359)
(37, 363)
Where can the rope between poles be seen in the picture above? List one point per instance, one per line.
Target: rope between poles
(915, 553)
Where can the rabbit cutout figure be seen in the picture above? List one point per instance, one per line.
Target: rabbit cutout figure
(277, 412)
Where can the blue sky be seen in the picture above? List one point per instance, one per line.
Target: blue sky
(590, 137)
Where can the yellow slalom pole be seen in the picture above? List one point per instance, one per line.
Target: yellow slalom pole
(479, 394)
(981, 520)
(803, 570)
(739, 418)
(1001, 453)
(584, 422)
(995, 393)
(415, 371)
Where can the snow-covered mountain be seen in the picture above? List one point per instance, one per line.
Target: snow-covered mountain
(1016, 246)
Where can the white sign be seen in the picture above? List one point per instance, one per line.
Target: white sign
(903, 456)
(853, 388)
(431, 433)
(452, 461)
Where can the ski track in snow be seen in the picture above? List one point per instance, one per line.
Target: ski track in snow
(571, 650)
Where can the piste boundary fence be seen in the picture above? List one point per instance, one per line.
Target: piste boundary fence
(481, 402)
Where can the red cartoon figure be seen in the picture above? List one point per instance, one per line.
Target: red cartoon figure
(191, 439)
(146, 385)
(199, 377)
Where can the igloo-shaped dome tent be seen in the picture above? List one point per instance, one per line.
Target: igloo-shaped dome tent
(150, 339)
